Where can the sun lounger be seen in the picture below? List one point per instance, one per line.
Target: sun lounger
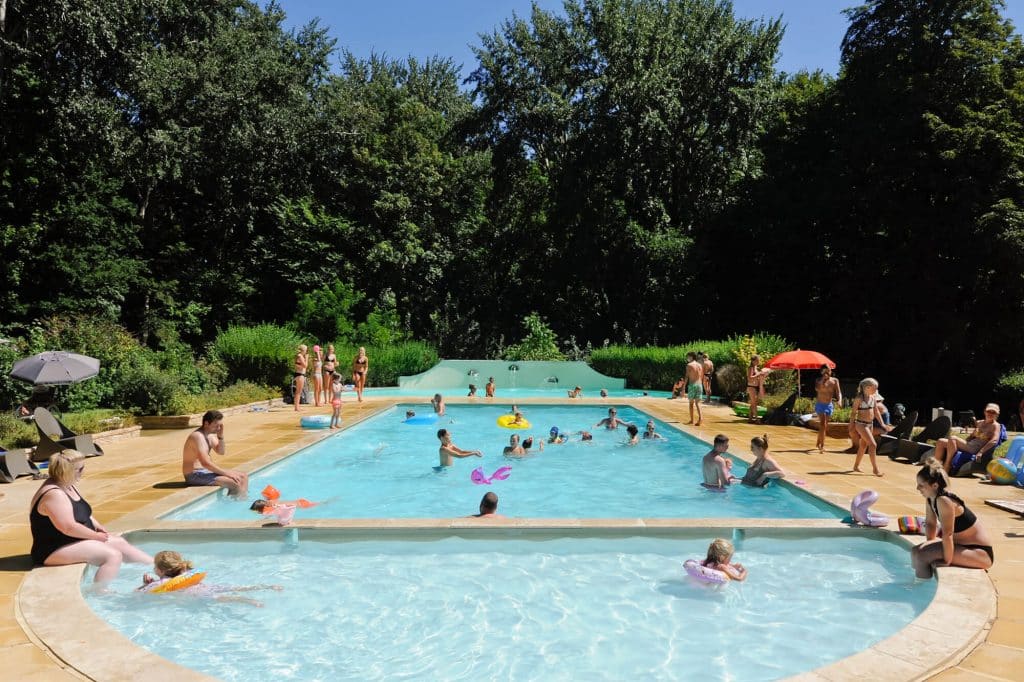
(15, 464)
(918, 448)
(965, 465)
(888, 443)
(55, 437)
(783, 414)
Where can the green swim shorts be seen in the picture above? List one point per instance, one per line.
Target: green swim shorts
(695, 391)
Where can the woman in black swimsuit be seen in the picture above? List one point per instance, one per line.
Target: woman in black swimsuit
(329, 363)
(64, 530)
(968, 545)
(299, 375)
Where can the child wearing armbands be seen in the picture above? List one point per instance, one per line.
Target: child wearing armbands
(719, 558)
(175, 574)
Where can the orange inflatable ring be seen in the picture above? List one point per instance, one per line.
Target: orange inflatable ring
(180, 582)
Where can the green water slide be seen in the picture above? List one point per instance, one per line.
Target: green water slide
(458, 374)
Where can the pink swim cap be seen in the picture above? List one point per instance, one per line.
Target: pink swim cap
(316, 348)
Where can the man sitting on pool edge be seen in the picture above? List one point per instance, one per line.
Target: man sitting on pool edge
(197, 458)
(448, 449)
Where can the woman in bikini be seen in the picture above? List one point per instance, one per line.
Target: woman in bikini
(865, 411)
(755, 385)
(968, 545)
(360, 366)
(299, 375)
(328, 371)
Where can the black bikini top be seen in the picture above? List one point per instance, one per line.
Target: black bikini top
(961, 522)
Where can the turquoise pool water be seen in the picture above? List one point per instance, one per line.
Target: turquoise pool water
(383, 468)
(505, 394)
(443, 607)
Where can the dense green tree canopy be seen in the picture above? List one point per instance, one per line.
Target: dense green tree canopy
(632, 170)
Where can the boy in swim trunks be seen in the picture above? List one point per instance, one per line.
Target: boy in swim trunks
(448, 449)
(197, 462)
(694, 385)
(827, 392)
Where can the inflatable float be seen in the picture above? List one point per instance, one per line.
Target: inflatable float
(315, 421)
(178, 582)
(508, 421)
(861, 512)
(699, 571)
(421, 419)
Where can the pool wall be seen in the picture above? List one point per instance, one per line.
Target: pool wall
(950, 630)
(459, 374)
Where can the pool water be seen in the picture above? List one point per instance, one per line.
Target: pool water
(444, 607)
(384, 468)
(505, 394)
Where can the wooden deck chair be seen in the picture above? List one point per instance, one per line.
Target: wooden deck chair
(15, 464)
(888, 443)
(54, 437)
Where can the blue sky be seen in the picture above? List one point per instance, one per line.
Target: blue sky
(422, 28)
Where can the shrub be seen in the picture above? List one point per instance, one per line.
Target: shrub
(540, 343)
(261, 354)
(655, 367)
(15, 433)
(242, 393)
(326, 312)
(732, 381)
(1012, 381)
(144, 389)
(389, 362)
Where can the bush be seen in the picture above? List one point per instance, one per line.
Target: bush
(242, 393)
(389, 362)
(540, 343)
(1012, 381)
(16, 433)
(655, 367)
(144, 389)
(326, 312)
(261, 354)
(732, 381)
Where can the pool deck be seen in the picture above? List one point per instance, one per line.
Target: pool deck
(139, 475)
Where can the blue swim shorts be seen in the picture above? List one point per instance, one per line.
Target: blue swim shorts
(824, 408)
(695, 391)
(201, 477)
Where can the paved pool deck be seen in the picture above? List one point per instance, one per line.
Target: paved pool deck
(141, 474)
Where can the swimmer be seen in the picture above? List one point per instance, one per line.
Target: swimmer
(513, 449)
(764, 467)
(528, 443)
(437, 402)
(168, 565)
(717, 474)
(488, 507)
(448, 449)
(557, 437)
(650, 433)
(634, 435)
(586, 435)
(409, 414)
(604, 393)
(472, 391)
(612, 421)
(719, 558)
(576, 392)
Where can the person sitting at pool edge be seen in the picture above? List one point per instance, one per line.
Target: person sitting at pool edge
(715, 467)
(489, 387)
(488, 507)
(448, 449)
(472, 391)
(197, 461)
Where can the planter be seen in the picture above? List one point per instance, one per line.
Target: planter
(117, 434)
(184, 421)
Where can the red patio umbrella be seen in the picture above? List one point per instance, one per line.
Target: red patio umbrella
(798, 360)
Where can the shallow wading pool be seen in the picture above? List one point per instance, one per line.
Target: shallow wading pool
(520, 605)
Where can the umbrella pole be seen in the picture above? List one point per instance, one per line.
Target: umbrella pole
(797, 382)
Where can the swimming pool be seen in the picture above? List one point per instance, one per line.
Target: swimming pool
(506, 394)
(384, 468)
(522, 606)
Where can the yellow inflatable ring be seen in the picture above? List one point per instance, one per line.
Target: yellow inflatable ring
(180, 582)
(508, 421)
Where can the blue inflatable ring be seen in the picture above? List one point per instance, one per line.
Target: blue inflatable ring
(316, 421)
(421, 419)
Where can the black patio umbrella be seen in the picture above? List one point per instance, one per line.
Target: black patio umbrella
(55, 368)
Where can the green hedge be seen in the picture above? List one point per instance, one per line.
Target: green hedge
(262, 354)
(389, 363)
(657, 368)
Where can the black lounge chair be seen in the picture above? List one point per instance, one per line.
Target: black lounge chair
(917, 449)
(888, 443)
(783, 414)
(15, 464)
(54, 437)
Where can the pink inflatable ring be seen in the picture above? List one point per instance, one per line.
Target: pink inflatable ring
(861, 512)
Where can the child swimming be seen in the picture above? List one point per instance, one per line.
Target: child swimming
(720, 553)
(169, 565)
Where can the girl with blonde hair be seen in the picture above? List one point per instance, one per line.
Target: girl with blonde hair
(719, 558)
(865, 411)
